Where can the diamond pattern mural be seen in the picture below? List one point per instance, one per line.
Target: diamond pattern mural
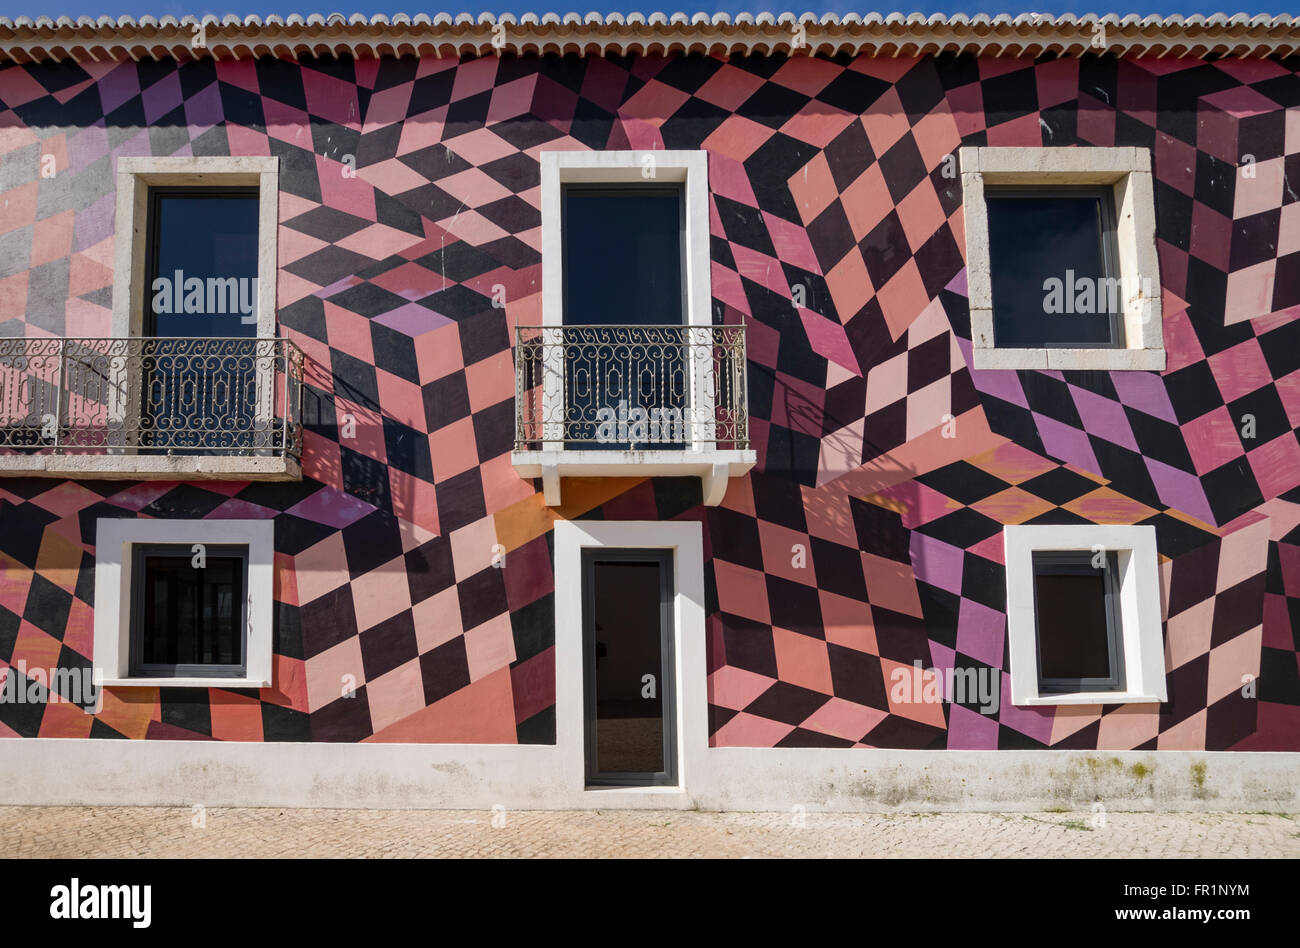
(414, 583)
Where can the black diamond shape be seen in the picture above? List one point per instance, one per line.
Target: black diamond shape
(786, 703)
(772, 105)
(444, 670)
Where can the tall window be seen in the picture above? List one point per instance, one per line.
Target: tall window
(626, 373)
(623, 255)
(200, 387)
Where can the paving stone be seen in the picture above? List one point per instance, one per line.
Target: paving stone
(170, 832)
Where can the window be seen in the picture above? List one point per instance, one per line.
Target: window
(1083, 614)
(206, 221)
(193, 381)
(202, 262)
(624, 286)
(184, 603)
(187, 610)
(198, 396)
(623, 248)
(1061, 261)
(1055, 275)
(1076, 613)
(627, 375)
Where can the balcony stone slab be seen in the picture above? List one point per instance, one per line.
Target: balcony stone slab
(150, 467)
(713, 467)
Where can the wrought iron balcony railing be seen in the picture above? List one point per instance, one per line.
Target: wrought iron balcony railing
(151, 396)
(630, 387)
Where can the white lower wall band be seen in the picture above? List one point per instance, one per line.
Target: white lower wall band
(38, 771)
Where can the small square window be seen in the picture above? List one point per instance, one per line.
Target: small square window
(1061, 263)
(184, 603)
(1083, 614)
(1054, 267)
(188, 615)
(1078, 622)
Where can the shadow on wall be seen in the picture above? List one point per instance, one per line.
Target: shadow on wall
(349, 441)
(847, 463)
(846, 512)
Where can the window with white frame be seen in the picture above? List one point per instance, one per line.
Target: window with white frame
(626, 299)
(1083, 614)
(1062, 271)
(627, 374)
(194, 305)
(191, 379)
(183, 603)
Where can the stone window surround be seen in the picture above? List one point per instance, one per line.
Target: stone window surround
(114, 538)
(1128, 170)
(1141, 631)
(690, 168)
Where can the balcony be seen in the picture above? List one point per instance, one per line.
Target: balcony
(143, 407)
(631, 401)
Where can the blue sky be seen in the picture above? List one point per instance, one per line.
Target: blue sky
(15, 8)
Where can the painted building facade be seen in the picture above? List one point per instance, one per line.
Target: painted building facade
(422, 554)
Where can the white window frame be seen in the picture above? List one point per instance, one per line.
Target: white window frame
(691, 169)
(1141, 634)
(114, 539)
(1128, 171)
(134, 177)
(690, 674)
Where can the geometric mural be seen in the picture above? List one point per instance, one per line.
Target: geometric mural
(414, 565)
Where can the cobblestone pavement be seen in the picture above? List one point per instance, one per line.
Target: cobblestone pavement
(78, 832)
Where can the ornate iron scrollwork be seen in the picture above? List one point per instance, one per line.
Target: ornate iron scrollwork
(147, 395)
(630, 386)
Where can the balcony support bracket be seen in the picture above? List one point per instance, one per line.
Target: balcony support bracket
(551, 483)
(713, 484)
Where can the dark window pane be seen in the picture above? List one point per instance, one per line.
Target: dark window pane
(1072, 630)
(204, 276)
(622, 257)
(623, 265)
(189, 615)
(629, 727)
(1055, 237)
(202, 284)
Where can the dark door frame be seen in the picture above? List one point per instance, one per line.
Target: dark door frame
(667, 666)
